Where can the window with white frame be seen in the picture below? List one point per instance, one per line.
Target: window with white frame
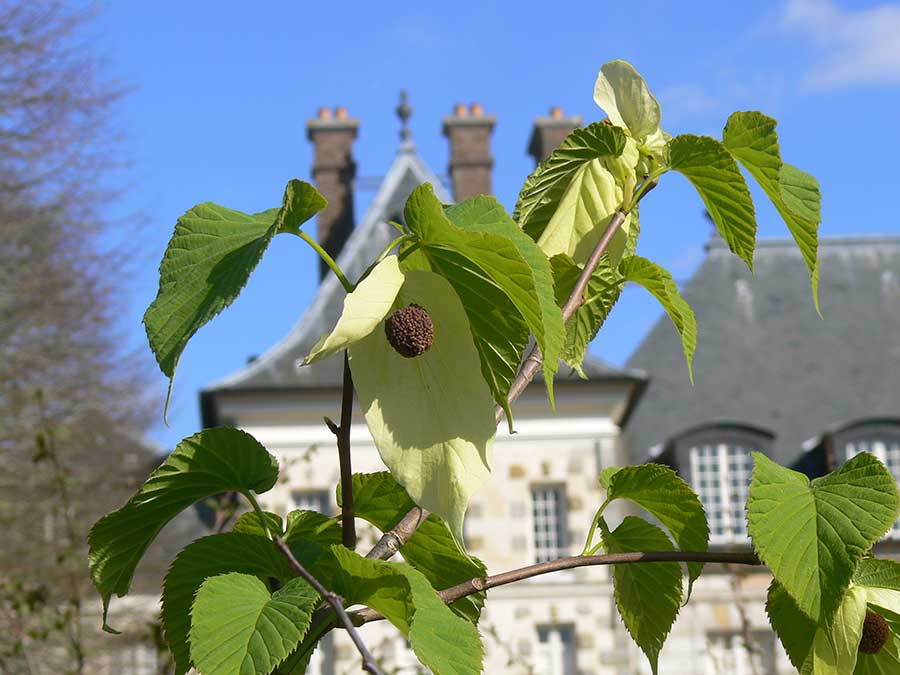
(730, 653)
(556, 650)
(548, 517)
(312, 500)
(721, 468)
(881, 440)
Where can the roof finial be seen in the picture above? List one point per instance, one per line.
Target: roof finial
(404, 112)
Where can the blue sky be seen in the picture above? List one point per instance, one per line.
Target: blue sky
(220, 92)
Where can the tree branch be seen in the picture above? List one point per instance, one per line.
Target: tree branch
(480, 584)
(391, 541)
(337, 604)
(535, 359)
(348, 513)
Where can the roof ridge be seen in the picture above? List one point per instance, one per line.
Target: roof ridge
(826, 241)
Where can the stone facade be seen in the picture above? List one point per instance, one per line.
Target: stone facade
(544, 491)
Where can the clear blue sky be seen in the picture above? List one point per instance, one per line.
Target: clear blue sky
(220, 92)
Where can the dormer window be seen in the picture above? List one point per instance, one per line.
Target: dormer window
(721, 477)
(720, 467)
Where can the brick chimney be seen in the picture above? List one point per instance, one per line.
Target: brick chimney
(333, 171)
(549, 132)
(469, 131)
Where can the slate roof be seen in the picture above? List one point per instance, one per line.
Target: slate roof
(276, 369)
(764, 358)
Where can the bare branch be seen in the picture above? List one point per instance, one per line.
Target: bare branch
(393, 539)
(337, 604)
(534, 360)
(348, 513)
(480, 584)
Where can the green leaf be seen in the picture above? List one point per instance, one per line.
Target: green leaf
(239, 628)
(364, 309)
(589, 202)
(800, 192)
(812, 534)
(712, 171)
(829, 649)
(607, 474)
(496, 272)
(885, 662)
(486, 215)
(881, 579)
(875, 573)
(795, 630)
(660, 284)
(205, 464)
(311, 526)
(625, 97)
(499, 332)
(543, 189)
(876, 583)
(207, 263)
(208, 557)
(249, 524)
(432, 416)
(751, 138)
(603, 290)
(648, 595)
(665, 495)
(836, 643)
(380, 500)
(444, 642)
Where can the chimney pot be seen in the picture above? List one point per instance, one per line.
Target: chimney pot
(548, 132)
(471, 162)
(333, 172)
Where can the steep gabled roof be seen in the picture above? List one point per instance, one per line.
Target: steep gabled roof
(763, 355)
(277, 368)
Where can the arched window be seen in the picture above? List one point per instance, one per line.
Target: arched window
(720, 466)
(878, 436)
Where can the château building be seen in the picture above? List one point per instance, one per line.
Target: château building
(771, 376)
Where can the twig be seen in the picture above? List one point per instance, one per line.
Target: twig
(484, 583)
(348, 513)
(480, 584)
(391, 541)
(535, 359)
(337, 604)
(327, 259)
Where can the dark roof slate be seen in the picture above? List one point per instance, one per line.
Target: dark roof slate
(763, 355)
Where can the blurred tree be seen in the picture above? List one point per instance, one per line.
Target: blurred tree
(73, 406)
